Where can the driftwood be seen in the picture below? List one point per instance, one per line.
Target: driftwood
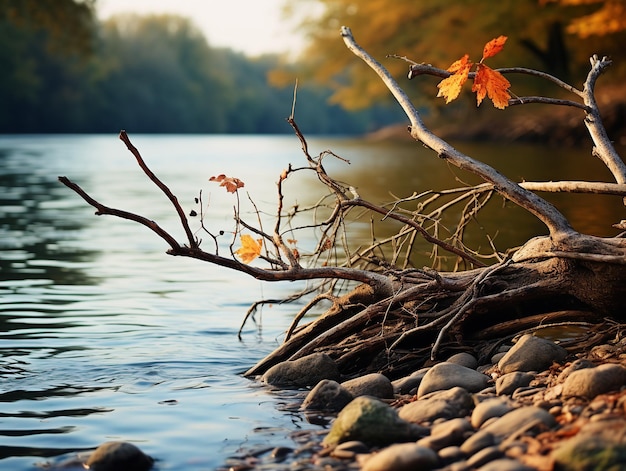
(398, 316)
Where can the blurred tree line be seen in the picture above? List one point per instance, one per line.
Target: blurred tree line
(63, 71)
(555, 36)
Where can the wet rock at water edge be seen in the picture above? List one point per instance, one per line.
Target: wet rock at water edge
(531, 353)
(403, 457)
(448, 375)
(450, 404)
(372, 422)
(328, 396)
(119, 456)
(303, 372)
(373, 384)
(589, 382)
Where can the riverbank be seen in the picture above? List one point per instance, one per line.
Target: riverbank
(536, 404)
(550, 125)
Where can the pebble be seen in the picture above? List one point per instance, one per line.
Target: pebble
(409, 383)
(505, 464)
(488, 409)
(327, 395)
(119, 456)
(372, 422)
(373, 384)
(531, 353)
(303, 372)
(446, 434)
(446, 375)
(450, 404)
(484, 456)
(403, 457)
(464, 359)
(508, 383)
(519, 420)
(589, 382)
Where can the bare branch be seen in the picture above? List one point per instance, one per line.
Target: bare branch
(556, 223)
(181, 213)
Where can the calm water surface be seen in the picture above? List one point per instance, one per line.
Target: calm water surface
(105, 337)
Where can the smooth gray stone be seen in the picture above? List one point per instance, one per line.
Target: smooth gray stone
(488, 409)
(477, 442)
(408, 383)
(484, 456)
(509, 382)
(450, 404)
(446, 434)
(518, 419)
(373, 384)
(464, 359)
(589, 382)
(449, 375)
(327, 395)
(531, 353)
(403, 457)
(119, 456)
(303, 372)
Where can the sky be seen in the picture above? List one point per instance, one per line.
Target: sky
(253, 27)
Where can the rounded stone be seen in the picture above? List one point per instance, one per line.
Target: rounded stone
(509, 382)
(488, 409)
(448, 375)
(373, 384)
(589, 382)
(403, 457)
(119, 456)
(327, 395)
(372, 422)
(464, 359)
(303, 372)
(450, 404)
(531, 353)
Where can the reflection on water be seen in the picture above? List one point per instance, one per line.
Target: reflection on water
(103, 336)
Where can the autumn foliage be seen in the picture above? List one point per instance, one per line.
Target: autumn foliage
(487, 82)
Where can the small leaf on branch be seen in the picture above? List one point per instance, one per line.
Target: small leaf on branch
(493, 47)
(493, 84)
(231, 184)
(250, 248)
(450, 87)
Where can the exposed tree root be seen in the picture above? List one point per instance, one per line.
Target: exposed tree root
(441, 313)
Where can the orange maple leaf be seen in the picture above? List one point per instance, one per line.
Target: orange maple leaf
(493, 84)
(450, 87)
(487, 82)
(493, 47)
(231, 184)
(250, 248)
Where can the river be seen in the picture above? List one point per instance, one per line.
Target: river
(103, 336)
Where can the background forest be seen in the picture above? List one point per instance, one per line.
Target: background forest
(66, 71)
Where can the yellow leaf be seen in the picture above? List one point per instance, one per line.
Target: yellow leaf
(450, 87)
(493, 84)
(250, 248)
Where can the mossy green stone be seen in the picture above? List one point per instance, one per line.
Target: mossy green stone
(372, 422)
